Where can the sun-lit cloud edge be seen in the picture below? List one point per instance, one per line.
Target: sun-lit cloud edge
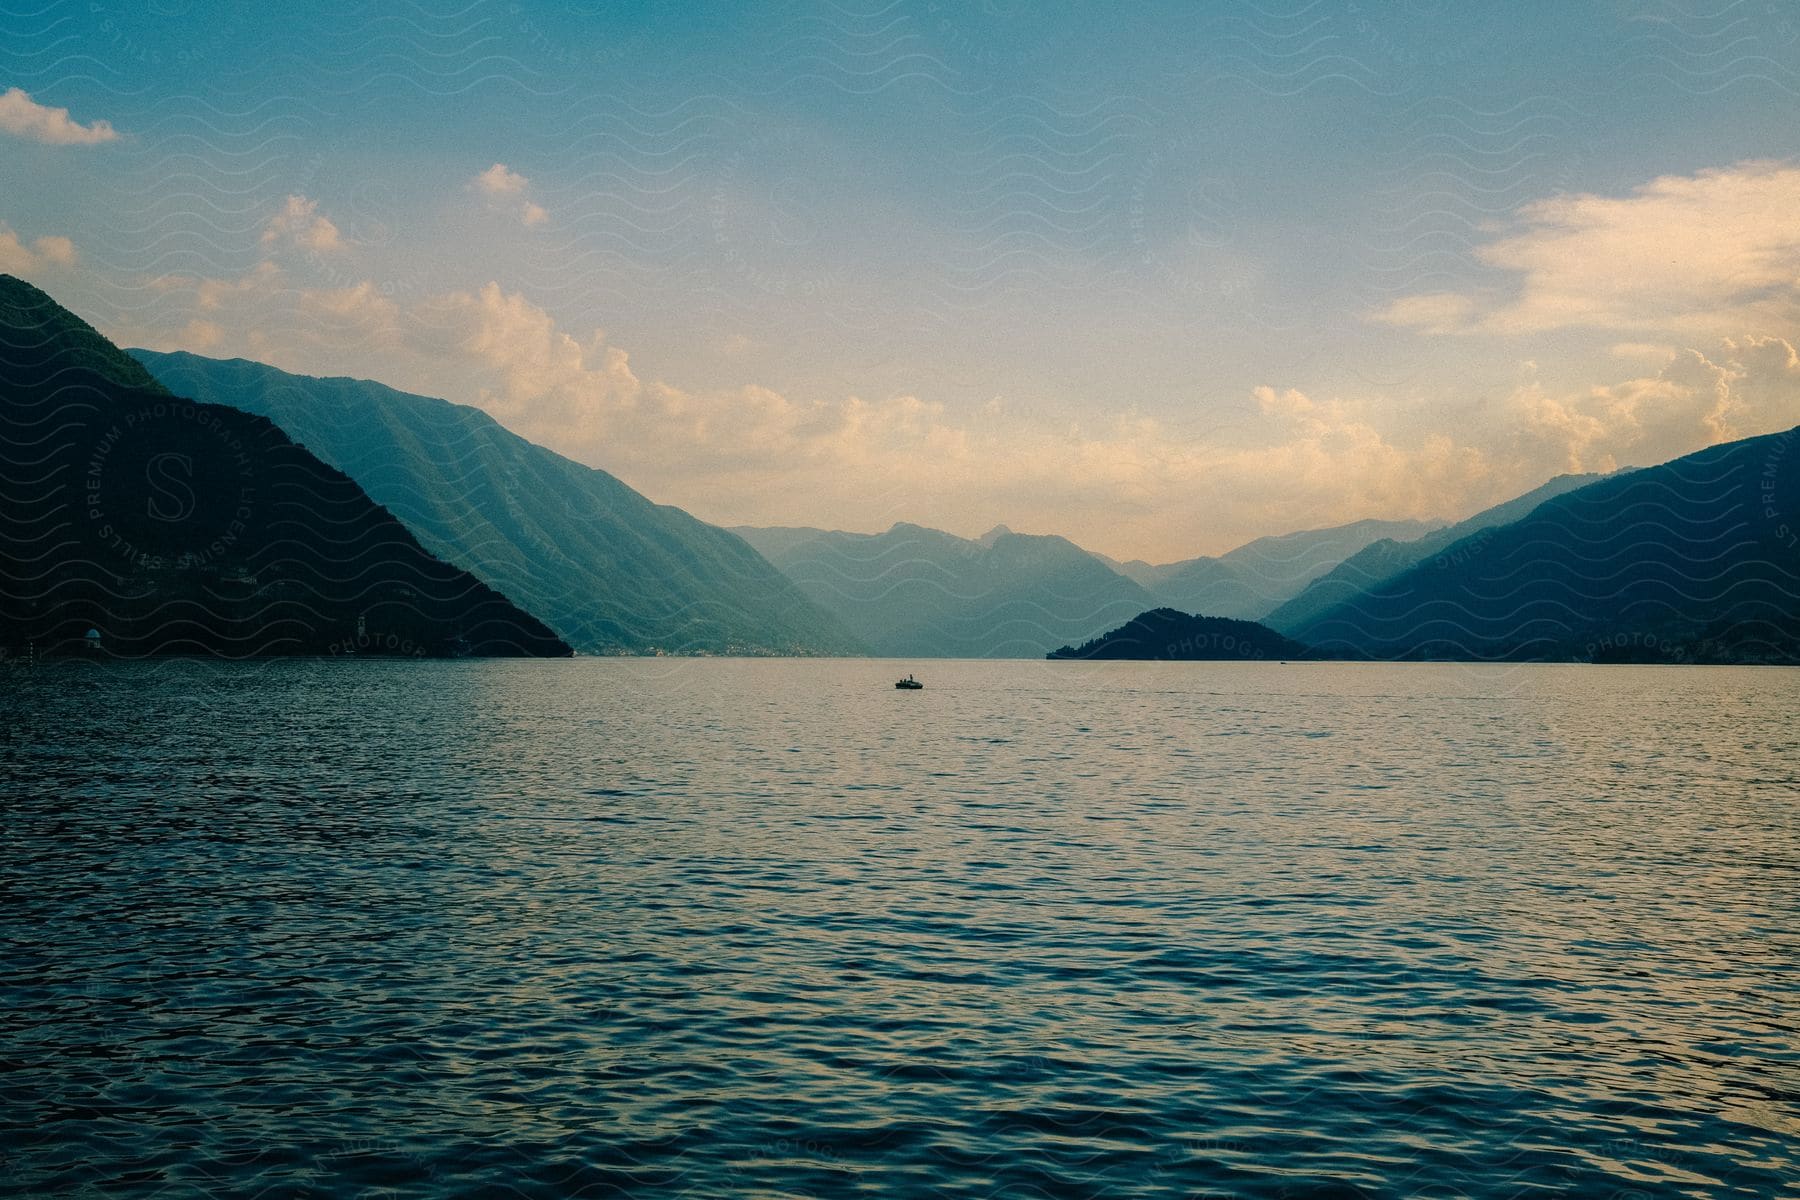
(1696, 256)
(44, 254)
(300, 225)
(23, 117)
(507, 191)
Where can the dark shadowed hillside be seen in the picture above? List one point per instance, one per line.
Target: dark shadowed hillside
(1254, 579)
(606, 568)
(166, 526)
(1388, 557)
(914, 591)
(1694, 560)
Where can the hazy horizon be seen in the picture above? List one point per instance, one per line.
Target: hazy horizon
(966, 533)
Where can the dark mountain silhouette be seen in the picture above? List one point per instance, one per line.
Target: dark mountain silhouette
(1164, 634)
(1388, 557)
(915, 592)
(606, 568)
(167, 526)
(1697, 560)
(1254, 579)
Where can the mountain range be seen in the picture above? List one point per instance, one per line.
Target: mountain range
(139, 523)
(250, 520)
(605, 567)
(1250, 582)
(918, 592)
(1382, 560)
(1694, 560)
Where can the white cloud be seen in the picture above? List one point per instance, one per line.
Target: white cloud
(55, 249)
(299, 224)
(209, 295)
(16, 258)
(542, 377)
(1335, 457)
(1765, 392)
(1329, 460)
(505, 190)
(1658, 351)
(500, 180)
(1702, 255)
(1747, 386)
(754, 454)
(360, 314)
(1431, 312)
(200, 336)
(24, 117)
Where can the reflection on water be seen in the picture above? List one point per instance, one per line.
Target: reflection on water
(722, 928)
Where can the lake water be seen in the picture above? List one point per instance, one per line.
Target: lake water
(724, 928)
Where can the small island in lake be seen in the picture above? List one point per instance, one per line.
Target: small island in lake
(1163, 634)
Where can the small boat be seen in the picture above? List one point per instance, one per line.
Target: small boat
(909, 684)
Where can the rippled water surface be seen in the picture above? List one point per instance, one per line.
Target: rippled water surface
(737, 928)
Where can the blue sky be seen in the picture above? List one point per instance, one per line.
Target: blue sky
(1162, 282)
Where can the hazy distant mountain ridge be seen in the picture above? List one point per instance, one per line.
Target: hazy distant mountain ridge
(167, 526)
(1388, 557)
(1694, 560)
(1250, 582)
(604, 566)
(918, 592)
